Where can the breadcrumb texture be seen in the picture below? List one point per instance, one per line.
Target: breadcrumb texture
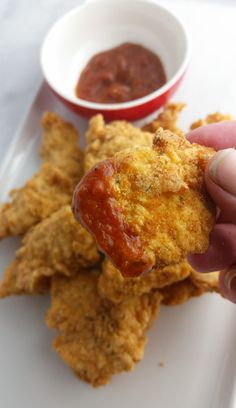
(104, 140)
(195, 285)
(98, 339)
(57, 245)
(53, 185)
(158, 198)
(212, 118)
(60, 146)
(167, 119)
(113, 286)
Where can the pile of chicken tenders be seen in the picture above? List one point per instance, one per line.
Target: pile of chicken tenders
(101, 312)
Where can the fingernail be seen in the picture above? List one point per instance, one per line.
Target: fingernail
(222, 170)
(230, 280)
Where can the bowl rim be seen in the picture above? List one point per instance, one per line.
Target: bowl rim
(121, 105)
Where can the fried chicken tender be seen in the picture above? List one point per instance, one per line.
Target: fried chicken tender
(167, 119)
(60, 146)
(195, 285)
(114, 287)
(50, 188)
(98, 339)
(148, 208)
(212, 118)
(104, 140)
(43, 194)
(57, 245)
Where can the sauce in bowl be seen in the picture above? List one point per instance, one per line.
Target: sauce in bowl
(121, 74)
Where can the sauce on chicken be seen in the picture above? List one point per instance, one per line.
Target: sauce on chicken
(93, 201)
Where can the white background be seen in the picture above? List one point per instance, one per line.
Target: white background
(23, 25)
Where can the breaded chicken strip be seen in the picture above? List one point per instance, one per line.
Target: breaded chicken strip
(114, 287)
(52, 186)
(43, 194)
(60, 146)
(195, 285)
(104, 140)
(98, 339)
(212, 118)
(57, 245)
(167, 119)
(148, 208)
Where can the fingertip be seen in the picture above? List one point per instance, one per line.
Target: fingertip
(199, 262)
(223, 199)
(219, 136)
(204, 135)
(222, 169)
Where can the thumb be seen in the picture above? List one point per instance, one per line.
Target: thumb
(221, 182)
(228, 283)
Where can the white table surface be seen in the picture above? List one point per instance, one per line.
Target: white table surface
(23, 25)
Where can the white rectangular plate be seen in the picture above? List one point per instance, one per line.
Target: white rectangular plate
(195, 341)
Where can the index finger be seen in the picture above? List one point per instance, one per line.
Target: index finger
(217, 135)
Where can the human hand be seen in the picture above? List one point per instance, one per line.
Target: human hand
(220, 177)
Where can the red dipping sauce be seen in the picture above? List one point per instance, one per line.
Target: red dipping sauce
(97, 210)
(122, 74)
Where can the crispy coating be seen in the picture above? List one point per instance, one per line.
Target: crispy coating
(167, 119)
(60, 146)
(212, 118)
(98, 339)
(195, 285)
(57, 245)
(18, 281)
(43, 194)
(114, 287)
(50, 188)
(104, 140)
(148, 208)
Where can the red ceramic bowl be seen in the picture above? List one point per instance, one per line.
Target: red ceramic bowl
(99, 25)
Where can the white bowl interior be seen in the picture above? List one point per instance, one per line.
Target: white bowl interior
(103, 24)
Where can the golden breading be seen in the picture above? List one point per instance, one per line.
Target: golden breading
(148, 208)
(98, 339)
(60, 146)
(18, 281)
(50, 188)
(212, 118)
(195, 285)
(104, 140)
(114, 287)
(57, 245)
(43, 194)
(167, 119)
(208, 282)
